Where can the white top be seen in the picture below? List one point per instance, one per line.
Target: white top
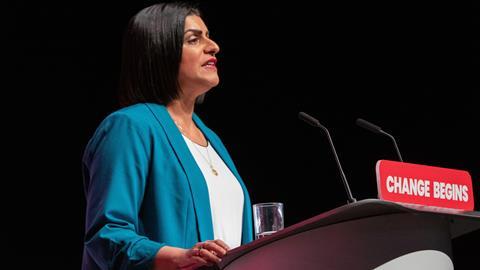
(225, 193)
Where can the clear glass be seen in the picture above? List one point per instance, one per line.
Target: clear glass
(267, 218)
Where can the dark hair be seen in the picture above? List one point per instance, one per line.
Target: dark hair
(151, 53)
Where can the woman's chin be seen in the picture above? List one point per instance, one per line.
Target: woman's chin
(213, 82)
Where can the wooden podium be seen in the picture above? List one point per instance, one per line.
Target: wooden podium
(369, 234)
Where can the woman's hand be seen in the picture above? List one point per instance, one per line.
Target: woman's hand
(201, 254)
(204, 253)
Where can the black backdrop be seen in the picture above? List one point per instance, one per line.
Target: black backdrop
(407, 66)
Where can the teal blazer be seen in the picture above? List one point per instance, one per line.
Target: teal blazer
(144, 189)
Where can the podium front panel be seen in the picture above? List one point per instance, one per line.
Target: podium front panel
(364, 243)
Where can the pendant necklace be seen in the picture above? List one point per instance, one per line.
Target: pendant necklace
(209, 160)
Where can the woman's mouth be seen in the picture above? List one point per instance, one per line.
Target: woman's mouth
(211, 64)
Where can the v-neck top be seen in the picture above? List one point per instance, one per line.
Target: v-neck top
(225, 193)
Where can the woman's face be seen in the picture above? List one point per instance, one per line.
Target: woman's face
(198, 69)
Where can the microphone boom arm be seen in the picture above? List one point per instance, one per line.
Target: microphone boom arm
(394, 143)
(314, 122)
(350, 197)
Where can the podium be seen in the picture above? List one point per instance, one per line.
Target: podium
(368, 234)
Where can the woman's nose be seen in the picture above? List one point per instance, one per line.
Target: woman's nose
(212, 47)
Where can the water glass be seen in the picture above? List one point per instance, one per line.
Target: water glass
(267, 218)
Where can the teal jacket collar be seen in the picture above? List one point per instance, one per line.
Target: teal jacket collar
(195, 177)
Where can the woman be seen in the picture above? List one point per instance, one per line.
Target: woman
(162, 191)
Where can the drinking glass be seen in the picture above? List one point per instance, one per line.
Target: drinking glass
(267, 218)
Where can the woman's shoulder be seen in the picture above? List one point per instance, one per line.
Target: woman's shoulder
(128, 124)
(139, 115)
(135, 118)
(136, 112)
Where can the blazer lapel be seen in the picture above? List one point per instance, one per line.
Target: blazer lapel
(198, 186)
(247, 231)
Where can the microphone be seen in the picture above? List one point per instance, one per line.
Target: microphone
(376, 129)
(314, 122)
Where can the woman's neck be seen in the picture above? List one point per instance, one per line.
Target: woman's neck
(181, 110)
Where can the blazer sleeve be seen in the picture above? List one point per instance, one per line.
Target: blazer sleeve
(115, 167)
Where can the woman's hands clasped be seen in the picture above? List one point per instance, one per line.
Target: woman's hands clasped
(203, 254)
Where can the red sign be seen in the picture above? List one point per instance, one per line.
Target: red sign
(424, 185)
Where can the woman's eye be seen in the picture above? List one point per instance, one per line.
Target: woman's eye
(193, 41)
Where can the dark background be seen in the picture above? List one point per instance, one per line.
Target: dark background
(409, 66)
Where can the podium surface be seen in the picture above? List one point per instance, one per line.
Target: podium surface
(367, 234)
